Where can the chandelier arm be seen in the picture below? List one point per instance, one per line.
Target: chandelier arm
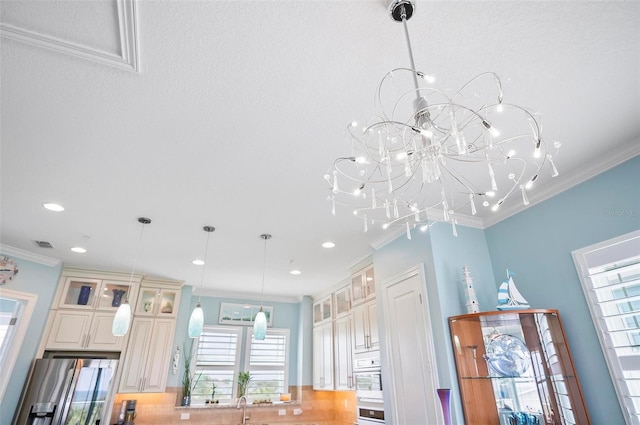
(495, 76)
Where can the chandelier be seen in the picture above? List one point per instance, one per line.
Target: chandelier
(431, 155)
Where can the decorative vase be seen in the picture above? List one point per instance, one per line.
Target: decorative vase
(83, 298)
(117, 297)
(445, 395)
(186, 401)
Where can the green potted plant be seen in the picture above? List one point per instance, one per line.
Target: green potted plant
(243, 382)
(186, 379)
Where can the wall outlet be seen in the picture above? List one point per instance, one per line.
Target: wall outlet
(282, 412)
(297, 411)
(184, 416)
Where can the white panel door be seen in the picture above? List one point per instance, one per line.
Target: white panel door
(410, 347)
(159, 356)
(134, 364)
(343, 349)
(323, 357)
(70, 330)
(100, 334)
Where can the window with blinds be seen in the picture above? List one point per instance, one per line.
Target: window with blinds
(610, 276)
(268, 364)
(217, 360)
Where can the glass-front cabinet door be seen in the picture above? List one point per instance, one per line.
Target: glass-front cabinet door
(157, 301)
(86, 293)
(322, 310)
(520, 363)
(343, 300)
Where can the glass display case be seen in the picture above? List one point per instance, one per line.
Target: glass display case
(515, 367)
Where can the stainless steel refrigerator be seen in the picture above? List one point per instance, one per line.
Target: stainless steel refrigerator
(68, 391)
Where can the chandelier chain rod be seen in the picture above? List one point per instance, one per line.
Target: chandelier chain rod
(413, 65)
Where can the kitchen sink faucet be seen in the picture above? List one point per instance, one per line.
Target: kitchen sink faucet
(244, 409)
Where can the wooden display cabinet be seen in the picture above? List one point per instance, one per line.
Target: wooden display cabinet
(511, 364)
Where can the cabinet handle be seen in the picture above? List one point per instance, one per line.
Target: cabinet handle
(349, 381)
(367, 341)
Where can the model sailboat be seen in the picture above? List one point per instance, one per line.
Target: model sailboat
(509, 298)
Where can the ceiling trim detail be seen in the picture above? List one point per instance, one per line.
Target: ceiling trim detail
(127, 23)
(29, 256)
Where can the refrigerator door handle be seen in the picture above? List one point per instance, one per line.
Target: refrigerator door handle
(64, 404)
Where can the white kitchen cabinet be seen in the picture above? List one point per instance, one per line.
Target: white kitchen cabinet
(365, 328)
(158, 298)
(323, 357)
(322, 310)
(148, 356)
(83, 330)
(342, 349)
(363, 285)
(342, 299)
(95, 290)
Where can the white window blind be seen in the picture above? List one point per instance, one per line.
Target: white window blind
(610, 276)
(217, 359)
(268, 364)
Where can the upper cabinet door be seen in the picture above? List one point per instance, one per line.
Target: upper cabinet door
(343, 301)
(363, 285)
(80, 293)
(322, 310)
(96, 294)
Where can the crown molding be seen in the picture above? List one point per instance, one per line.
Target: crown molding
(128, 32)
(29, 256)
(244, 295)
(586, 172)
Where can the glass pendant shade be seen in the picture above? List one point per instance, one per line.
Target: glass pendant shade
(122, 320)
(260, 326)
(196, 321)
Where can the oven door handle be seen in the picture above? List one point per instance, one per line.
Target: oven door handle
(370, 400)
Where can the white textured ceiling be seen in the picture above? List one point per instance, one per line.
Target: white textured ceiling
(239, 109)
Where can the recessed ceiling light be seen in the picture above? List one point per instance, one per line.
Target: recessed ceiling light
(53, 207)
(78, 249)
(295, 272)
(328, 245)
(198, 262)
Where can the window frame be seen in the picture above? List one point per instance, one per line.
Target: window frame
(238, 330)
(583, 266)
(247, 353)
(8, 360)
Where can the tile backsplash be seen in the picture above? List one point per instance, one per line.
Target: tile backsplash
(328, 407)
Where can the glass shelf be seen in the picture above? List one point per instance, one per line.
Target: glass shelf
(519, 362)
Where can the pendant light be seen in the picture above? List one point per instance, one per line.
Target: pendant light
(122, 319)
(196, 321)
(260, 322)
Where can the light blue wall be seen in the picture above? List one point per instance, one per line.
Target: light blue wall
(537, 243)
(285, 316)
(36, 279)
(442, 255)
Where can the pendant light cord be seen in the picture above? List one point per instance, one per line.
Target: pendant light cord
(266, 237)
(207, 229)
(264, 268)
(144, 221)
